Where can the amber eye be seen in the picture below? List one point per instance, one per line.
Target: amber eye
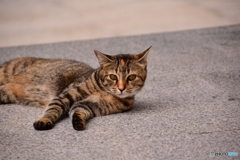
(132, 77)
(113, 77)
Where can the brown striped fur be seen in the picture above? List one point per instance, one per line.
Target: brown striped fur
(69, 87)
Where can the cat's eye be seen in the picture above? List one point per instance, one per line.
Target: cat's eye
(132, 77)
(113, 77)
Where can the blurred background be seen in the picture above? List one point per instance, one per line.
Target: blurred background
(24, 22)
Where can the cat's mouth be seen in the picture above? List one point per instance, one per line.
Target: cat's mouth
(124, 95)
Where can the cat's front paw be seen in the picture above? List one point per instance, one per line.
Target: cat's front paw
(77, 122)
(43, 124)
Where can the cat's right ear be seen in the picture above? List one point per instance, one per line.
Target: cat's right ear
(142, 57)
(103, 59)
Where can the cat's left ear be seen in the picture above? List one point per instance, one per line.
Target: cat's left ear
(103, 59)
(142, 57)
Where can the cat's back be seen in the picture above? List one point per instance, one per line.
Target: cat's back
(35, 71)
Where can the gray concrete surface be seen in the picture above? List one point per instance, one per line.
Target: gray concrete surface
(24, 22)
(189, 107)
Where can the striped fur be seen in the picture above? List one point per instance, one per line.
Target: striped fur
(65, 87)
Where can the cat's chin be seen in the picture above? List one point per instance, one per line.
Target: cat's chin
(124, 95)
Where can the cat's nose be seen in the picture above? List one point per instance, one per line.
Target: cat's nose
(121, 86)
(121, 90)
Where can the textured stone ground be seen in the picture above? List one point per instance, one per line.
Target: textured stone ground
(189, 107)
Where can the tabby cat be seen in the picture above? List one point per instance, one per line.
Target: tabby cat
(69, 87)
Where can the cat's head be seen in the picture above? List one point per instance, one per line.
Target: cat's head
(123, 75)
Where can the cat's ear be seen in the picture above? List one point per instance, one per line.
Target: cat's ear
(142, 57)
(102, 58)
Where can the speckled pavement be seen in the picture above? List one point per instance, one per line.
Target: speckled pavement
(189, 107)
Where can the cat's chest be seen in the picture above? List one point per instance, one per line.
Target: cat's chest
(101, 96)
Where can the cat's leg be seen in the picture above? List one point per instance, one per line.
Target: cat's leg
(79, 118)
(82, 111)
(57, 108)
(54, 111)
(3, 96)
(60, 106)
(16, 93)
(10, 93)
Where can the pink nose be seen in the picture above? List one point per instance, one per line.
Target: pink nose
(121, 89)
(121, 85)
